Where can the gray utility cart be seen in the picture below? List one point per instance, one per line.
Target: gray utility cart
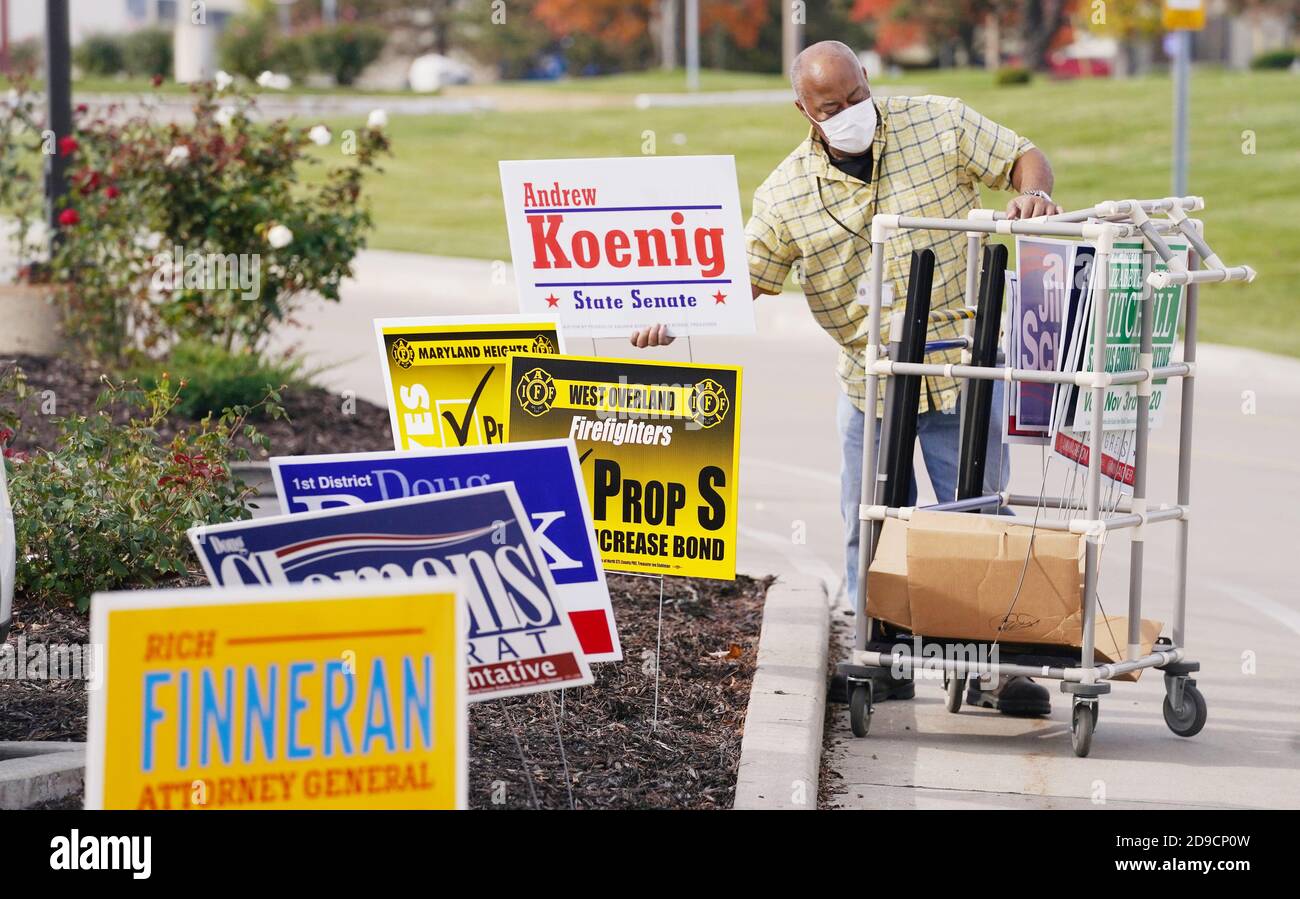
(1080, 675)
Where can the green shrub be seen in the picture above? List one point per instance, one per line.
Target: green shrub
(1274, 59)
(100, 54)
(148, 52)
(27, 57)
(1012, 75)
(108, 508)
(344, 51)
(217, 379)
(252, 44)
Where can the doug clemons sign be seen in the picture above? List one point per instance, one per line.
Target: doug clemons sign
(612, 245)
(518, 638)
(659, 445)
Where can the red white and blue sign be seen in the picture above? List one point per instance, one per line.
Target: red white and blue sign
(612, 245)
(549, 483)
(519, 640)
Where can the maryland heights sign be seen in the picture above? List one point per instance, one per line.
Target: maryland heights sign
(617, 244)
(518, 641)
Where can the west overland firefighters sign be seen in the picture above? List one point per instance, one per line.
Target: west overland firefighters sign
(301, 697)
(611, 245)
(659, 445)
(519, 639)
(444, 375)
(546, 476)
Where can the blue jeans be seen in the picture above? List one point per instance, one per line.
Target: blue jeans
(938, 433)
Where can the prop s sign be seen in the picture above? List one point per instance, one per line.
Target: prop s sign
(612, 245)
(659, 445)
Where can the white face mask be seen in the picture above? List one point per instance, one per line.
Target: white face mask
(851, 130)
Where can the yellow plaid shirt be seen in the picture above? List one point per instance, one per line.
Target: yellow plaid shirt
(928, 154)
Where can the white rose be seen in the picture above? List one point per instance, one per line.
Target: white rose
(223, 80)
(178, 154)
(280, 82)
(378, 119)
(320, 135)
(265, 79)
(224, 116)
(279, 236)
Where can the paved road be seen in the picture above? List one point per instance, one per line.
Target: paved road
(1244, 618)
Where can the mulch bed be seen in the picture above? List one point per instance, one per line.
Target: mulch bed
(613, 756)
(316, 420)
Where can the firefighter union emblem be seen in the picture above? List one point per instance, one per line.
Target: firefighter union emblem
(542, 344)
(536, 392)
(403, 353)
(708, 403)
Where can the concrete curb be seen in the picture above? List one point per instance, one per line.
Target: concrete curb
(34, 772)
(780, 756)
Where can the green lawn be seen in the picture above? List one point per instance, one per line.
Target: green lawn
(1106, 139)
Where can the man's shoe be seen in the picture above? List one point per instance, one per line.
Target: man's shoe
(883, 687)
(1014, 695)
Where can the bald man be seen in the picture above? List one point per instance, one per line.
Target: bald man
(919, 156)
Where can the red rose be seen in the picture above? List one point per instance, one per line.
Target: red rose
(157, 81)
(82, 107)
(69, 217)
(67, 145)
(89, 181)
(111, 192)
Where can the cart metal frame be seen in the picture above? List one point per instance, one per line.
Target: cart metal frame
(1086, 681)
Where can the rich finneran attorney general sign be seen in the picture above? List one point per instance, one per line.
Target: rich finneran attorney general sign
(612, 245)
(285, 697)
(659, 444)
(546, 476)
(519, 639)
(443, 374)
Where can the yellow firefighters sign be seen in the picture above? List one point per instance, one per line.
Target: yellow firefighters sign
(444, 375)
(659, 446)
(293, 697)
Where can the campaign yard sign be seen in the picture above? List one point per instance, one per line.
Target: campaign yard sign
(1043, 281)
(321, 696)
(612, 245)
(1130, 263)
(659, 444)
(546, 476)
(519, 640)
(443, 374)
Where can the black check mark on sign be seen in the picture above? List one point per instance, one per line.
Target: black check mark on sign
(461, 428)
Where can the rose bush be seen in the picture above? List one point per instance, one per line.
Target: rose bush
(109, 506)
(175, 231)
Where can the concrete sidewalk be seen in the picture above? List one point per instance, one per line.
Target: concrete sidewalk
(1244, 611)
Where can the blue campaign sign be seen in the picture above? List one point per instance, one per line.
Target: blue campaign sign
(546, 476)
(519, 641)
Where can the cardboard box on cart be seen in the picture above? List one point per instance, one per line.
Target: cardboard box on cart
(954, 575)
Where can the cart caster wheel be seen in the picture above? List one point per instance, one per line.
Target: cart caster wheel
(1191, 719)
(860, 710)
(1082, 724)
(953, 686)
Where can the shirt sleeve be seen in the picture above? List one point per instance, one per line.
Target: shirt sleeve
(988, 150)
(768, 245)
